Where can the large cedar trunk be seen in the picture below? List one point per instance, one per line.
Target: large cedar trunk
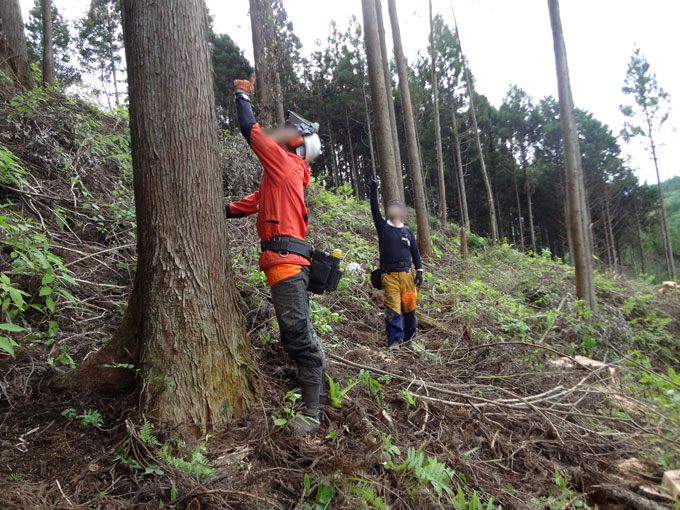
(577, 212)
(383, 128)
(13, 51)
(422, 217)
(182, 325)
(48, 53)
(269, 103)
(437, 128)
(390, 98)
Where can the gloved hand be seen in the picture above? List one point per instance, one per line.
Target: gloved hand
(419, 278)
(373, 185)
(245, 85)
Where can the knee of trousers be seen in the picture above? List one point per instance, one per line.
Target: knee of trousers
(310, 375)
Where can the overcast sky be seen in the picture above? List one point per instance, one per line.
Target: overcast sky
(509, 41)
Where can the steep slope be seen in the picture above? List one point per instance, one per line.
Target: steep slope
(490, 402)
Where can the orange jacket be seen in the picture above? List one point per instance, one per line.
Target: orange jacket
(279, 203)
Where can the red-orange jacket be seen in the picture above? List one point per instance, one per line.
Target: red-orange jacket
(279, 203)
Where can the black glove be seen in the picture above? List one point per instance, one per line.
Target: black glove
(419, 278)
(373, 185)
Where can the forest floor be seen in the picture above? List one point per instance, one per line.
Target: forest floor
(512, 395)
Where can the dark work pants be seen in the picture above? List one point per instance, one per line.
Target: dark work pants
(291, 303)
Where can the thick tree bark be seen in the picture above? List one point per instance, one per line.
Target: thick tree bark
(13, 51)
(182, 325)
(390, 99)
(577, 213)
(268, 88)
(422, 217)
(465, 217)
(48, 51)
(383, 127)
(441, 211)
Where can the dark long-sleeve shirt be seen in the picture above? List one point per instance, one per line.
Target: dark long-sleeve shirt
(397, 245)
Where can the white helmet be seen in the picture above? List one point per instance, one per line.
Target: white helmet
(310, 148)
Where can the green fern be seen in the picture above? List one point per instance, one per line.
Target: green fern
(146, 435)
(431, 471)
(368, 497)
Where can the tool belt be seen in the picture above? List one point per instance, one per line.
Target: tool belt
(285, 245)
(324, 270)
(397, 267)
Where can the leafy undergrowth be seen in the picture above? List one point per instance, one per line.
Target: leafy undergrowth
(496, 404)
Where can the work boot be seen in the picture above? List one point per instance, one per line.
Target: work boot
(307, 422)
(395, 346)
(323, 390)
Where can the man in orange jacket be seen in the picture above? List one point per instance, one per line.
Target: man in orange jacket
(281, 224)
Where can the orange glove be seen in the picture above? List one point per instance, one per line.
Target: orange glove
(245, 85)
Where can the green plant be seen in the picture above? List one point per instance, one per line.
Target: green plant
(335, 394)
(11, 174)
(367, 496)
(88, 418)
(408, 398)
(289, 410)
(428, 471)
(374, 387)
(563, 498)
(322, 499)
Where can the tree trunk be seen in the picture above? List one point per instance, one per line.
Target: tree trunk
(528, 191)
(13, 51)
(422, 218)
(267, 87)
(280, 114)
(112, 57)
(370, 135)
(577, 214)
(475, 129)
(441, 211)
(383, 128)
(639, 236)
(390, 99)
(519, 216)
(465, 217)
(610, 231)
(667, 241)
(48, 52)
(182, 324)
(353, 163)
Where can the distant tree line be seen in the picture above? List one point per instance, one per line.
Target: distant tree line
(497, 170)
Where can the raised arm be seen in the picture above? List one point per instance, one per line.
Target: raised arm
(378, 220)
(267, 150)
(244, 207)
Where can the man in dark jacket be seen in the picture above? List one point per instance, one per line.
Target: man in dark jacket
(281, 224)
(398, 248)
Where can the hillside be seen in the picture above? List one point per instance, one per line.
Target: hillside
(490, 405)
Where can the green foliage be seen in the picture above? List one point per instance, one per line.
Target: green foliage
(100, 41)
(367, 496)
(563, 498)
(335, 394)
(322, 499)
(62, 43)
(33, 267)
(428, 471)
(11, 173)
(88, 418)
